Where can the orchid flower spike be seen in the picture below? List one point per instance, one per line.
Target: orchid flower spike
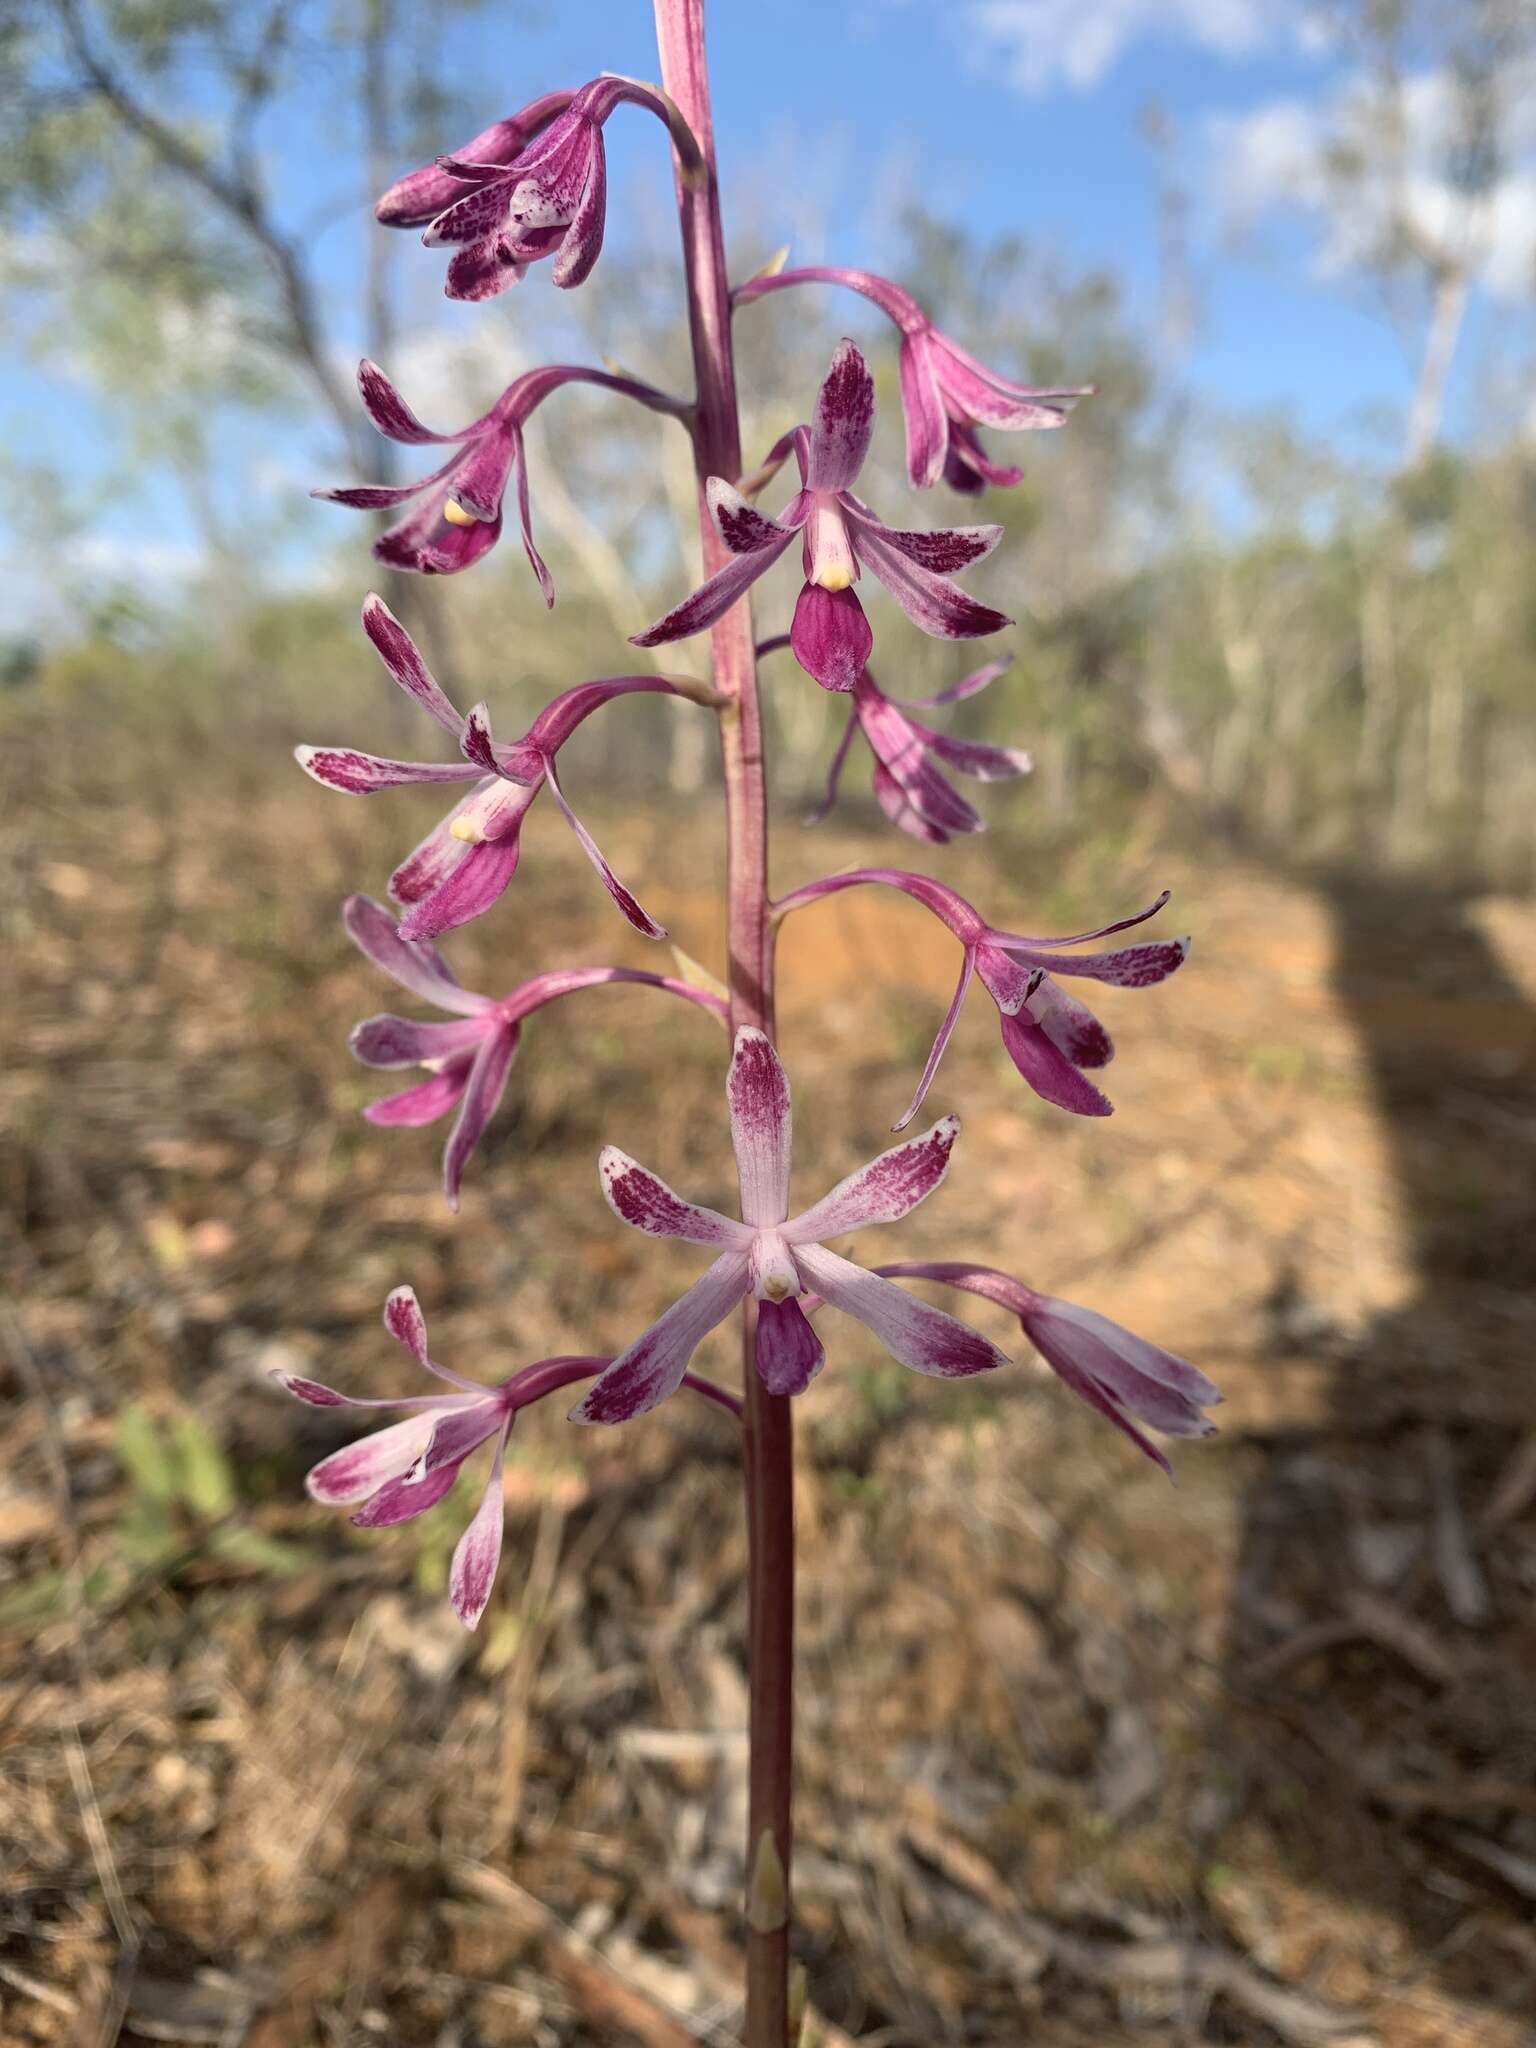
(1049, 1035)
(841, 537)
(909, 782)
(469, 857)
(549, 198)
(457, 514)
(778, 1258)
(1112, 1369)
(466, 1061)
(946, 394)
(401, 1471)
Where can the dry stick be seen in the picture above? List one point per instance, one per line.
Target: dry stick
(767, 1440)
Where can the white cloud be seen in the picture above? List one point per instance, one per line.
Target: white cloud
(1272, 163)
(1043, 43)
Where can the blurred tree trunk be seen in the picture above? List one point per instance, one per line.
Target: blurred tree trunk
(1445, 325)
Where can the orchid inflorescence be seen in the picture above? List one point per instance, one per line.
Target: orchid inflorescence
(534, 187)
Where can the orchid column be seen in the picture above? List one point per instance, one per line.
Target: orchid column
(533, 188)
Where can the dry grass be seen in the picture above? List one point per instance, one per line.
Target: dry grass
(1085, 1758)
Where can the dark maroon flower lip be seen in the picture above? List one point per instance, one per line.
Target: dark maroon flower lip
(840, 538)
(779, 1258)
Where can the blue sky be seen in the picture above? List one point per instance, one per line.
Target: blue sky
(1009, 114)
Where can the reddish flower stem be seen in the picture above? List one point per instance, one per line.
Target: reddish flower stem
(767, 1440)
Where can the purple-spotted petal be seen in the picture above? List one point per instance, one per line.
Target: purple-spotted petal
(482, 1093)
(901, 810)
(969, 468)
(789, 1352)
(653, 1366)
(479, 212)
(924, 1338)
(884, 1191)
(583, 241)
(1008, 980)
(422, 194)
(1139, 966)
(484, 270)
(384, 497)
(741, 526)
(403, 1499)
(923, 407)
(929, 600)
(640, 918)
(315, 1394)
(477, 743)
(426, 1101)
(420, 968)
(1048, 1071)
(830, 636)
(902, 749)
(360, 1469)
(408, 1326)
(976, 757)
(477, 1553)
(390, 413)
(977, 393)
(427, 866)
(713, 599)
(843, 423)
(388, 1041)
(1070, 1026)
(642, 1199)
(757, 1092)
(944, 549)
(356, 774)
(401, 656)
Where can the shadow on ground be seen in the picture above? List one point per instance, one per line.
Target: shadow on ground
(1381, 1643)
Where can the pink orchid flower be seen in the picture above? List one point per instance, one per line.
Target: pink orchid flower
(1049, 1035)
(467, 1061)
(945, 392)
(402, 1470)
(1113, 1370)
(841, 537)
(778, 1258)
(468, 858)
(458, 517)
(421, 195)
(910, 758)
(550, 198)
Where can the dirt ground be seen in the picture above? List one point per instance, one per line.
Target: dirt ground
(1085, 1757)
